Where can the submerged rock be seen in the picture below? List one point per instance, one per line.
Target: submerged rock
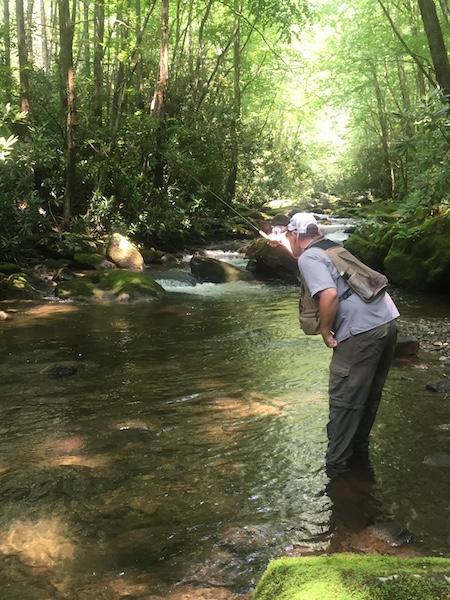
(57, 371)
(439, 387)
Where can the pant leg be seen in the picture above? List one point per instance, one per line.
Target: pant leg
(361, 439)
(358, 371)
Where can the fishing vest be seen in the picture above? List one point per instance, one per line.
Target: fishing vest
(361, 279)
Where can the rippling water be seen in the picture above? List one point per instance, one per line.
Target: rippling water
(188, 446)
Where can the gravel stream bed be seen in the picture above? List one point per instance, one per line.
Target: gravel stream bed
(433, 335)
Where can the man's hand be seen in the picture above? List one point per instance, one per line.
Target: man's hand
(328, 307)
(330, 340)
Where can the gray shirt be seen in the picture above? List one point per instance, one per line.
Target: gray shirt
(354, 315)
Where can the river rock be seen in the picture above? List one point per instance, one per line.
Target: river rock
(439, 459)
(407, 345)
(63, 274)
(93, 260)
(271, 261)
(66, 369)
(393, 534)
(20, 286)
(123, 253)
(211, 270)
(110, 285)
(439, 387)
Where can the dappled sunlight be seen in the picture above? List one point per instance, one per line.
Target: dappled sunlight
(24, 315)
(69, 451)
(91, 462)
(244, 408)
(44, 543)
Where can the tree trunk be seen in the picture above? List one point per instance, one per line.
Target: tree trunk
(235, 122)
(99, 33)
(84, 42)
(23, 59)
(159, 99)
(66, 29)
(384, 136)
(29, 27)
(436, 44)
(139, 66)
(44, 40)
(7, 50)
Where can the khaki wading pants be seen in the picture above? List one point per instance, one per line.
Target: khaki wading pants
(358, 372)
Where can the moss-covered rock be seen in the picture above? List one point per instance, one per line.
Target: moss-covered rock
(419, 257)
(96, 261)
(20, 286)
(355, 577)
(117, 284)
(371, 243)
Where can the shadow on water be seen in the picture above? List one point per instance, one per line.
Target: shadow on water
(182, 442)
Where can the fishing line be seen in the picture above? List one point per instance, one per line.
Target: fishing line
(221, 200)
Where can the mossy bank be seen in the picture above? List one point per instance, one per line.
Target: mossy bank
(355, 577)
(415, 257)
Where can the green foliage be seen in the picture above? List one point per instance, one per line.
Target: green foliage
(427, 148)
(23, 220)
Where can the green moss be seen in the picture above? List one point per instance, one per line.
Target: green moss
(84, 258)
(109, 285)
(9, 268)
(355, 577)
(18, 286)
(371, 243)
(419, 256)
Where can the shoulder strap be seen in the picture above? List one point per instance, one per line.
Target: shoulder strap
(323, 244)
(331, 248)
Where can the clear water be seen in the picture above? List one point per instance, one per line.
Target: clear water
(188, 447)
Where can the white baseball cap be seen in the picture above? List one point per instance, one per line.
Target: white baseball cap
(300, 222)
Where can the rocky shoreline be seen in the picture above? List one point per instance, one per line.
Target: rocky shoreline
(433, 336)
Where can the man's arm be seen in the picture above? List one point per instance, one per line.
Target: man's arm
(328, 307)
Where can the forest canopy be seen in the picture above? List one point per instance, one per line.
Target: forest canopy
(153, 118)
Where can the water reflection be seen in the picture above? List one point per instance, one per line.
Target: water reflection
(187, 448)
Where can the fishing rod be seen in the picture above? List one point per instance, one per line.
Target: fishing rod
(261, 233)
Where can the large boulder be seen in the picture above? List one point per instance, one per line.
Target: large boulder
(371, 243)
(211, 270)
(419, 257)
(116, 284)
(271, 261)
(123, 253)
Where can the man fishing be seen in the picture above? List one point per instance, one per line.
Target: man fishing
(362, 335)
